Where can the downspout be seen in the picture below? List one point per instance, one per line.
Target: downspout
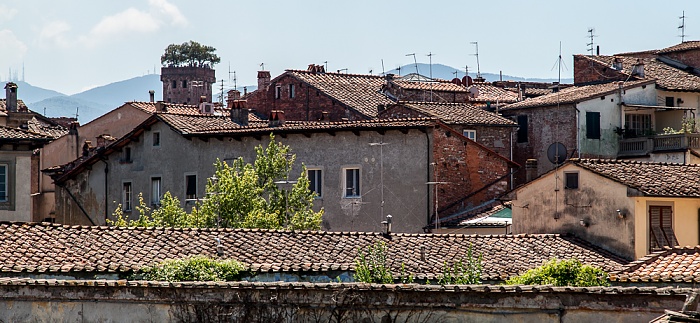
(106, 186)
(76, 203)
(427, 178)
(578, 131)
(512, 177)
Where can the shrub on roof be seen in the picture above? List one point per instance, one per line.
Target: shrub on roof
(198, 268)
(569, 272)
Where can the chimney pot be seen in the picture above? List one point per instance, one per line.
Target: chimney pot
(11, 96)
(152, 95)
(239, 114)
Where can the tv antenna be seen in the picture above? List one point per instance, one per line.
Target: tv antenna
(76, 112)
(430, 57)
(591, 34)
(398, 70)
(343, 69)
(682, 26)
(221, 96)
(415, 63)
(478, 67)
(235, 85)
(383, 73)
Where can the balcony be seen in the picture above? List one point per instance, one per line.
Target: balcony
(646, 145)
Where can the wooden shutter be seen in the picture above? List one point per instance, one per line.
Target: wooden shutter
(593, 125)
(661, 227)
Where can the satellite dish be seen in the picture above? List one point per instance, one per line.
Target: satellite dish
(456, 81)
(556, 153)
(467, 80)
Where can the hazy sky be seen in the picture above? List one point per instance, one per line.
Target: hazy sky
(73, 45)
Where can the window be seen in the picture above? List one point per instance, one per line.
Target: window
(278, 92)
(174, 84)
(155, 191)
(571, 180)
(661, 228)
(522, 129)
(190, 187)
(669, 101)
(127, 155)
(638, 124)
(126, 196)
(291, 91)
(593, 125)
(3, 183)
(471, 134)
(315, 181)
(352, 182)
(184, 84)
(156, 139)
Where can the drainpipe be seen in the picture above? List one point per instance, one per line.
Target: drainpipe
(512, 178)
(578, 135)
(427, 178)
(106, 186)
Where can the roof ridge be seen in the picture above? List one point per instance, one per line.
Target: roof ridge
(333, 73)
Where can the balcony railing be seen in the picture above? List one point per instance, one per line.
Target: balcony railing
(646, 145)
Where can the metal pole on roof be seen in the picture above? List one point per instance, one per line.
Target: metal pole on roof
(430, 56)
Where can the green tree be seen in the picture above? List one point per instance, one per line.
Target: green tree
(462, 272)
(192, 54)
(562, 273)
(371, 266)
(198, 268)
(248, 195)
(168, 214)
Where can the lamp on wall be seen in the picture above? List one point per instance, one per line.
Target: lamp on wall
(621, 214)
(583, 223)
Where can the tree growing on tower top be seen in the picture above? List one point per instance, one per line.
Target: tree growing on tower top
(189, 54)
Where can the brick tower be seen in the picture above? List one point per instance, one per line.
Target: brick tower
(187, 84)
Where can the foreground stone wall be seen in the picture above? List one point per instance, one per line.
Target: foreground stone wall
(26, 300)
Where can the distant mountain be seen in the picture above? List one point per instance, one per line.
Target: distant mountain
(30, 93)
(447, 73)
(115, 94)
(67, 106)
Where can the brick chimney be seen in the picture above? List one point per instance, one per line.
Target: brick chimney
(161, 107)
(638, 68)
(11, 96)
(276, 118)
(530, 169)
(239, 113)
(263, 80)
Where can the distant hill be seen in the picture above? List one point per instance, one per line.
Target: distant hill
(115, 94)
(447, 73)
(30, 93)
(66, 106)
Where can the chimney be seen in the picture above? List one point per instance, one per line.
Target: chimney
(638, 68)
(152, 94)
(11, 96)
(597, 50)
(530, 170)
(232, 96)
(239, 113)
(555, 87)
(276, 118)
(389, 78)
(161, 107)
(617, 63)
(263, 80)
(325, 116)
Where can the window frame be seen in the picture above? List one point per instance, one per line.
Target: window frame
(568, 176)
(159, 180)
(155, 139)
(593, 125)
(127, 196)
(523, 124)
(315, 181)
(292, 93)
(469, 133)
(187, 196)
(357, 182)
(670, 101)
(6, 184)
(278, 92)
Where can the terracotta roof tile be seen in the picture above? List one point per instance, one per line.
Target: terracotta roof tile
(458, 113)
(20, 105)
(360, 92)
(490, 93)
(435, 85)
(687, 45)
(574, 94)
(677, 264)
(650, 178)
(7, 133)
(667, 77)
(47, 248)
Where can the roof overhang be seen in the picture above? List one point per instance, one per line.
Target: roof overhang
(637, 107)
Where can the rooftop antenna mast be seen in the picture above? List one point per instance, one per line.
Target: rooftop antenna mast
(415, 63)
(383, 73)
(478, 67)
(430, 57)
(682, 26)
(76, 112)
(591, 48)
(221, 95)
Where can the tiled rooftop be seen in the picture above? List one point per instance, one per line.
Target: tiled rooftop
(490, 93)
(175, 108)
(53, 248)
(687, 45)
(666, 77)
(437, 85)
(7, 133)
(574, 94)
(649, 178)
(360, 92)
(20, 105)
(37, 127)
(675, 264)
(458, 113)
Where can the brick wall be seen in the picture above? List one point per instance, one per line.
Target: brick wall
(468, 169)
(307, 103)
(688, 57)
(587, 71)
(546, 125)
(189, 94)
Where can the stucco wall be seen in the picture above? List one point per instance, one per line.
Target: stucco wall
(685, 221)
(405, 173)
(122, 301)
(545, 206)
(19, 205)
